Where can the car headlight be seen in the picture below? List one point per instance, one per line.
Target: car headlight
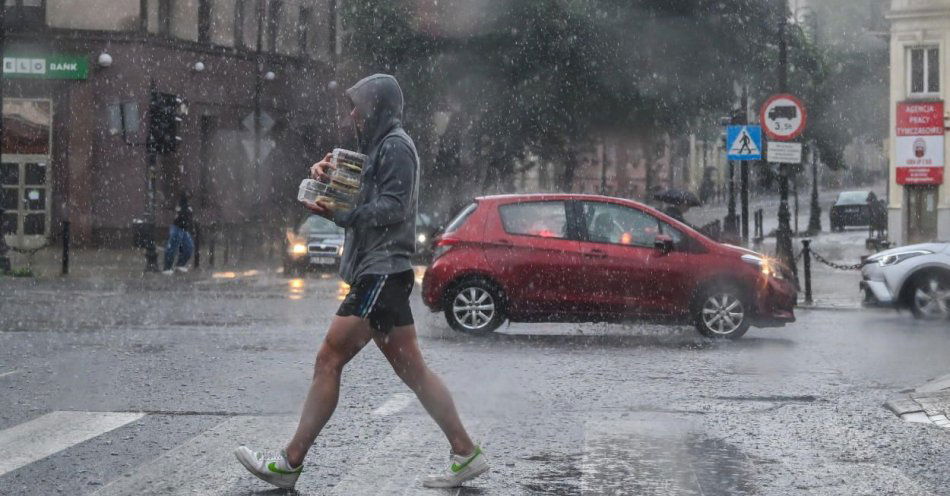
(339, 250)
(896, 258)
(766, 266)
(421, 238)
(298, 249)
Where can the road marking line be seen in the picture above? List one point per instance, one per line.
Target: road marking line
(394, 404)
(392, 466)
(51, 433)
(211, 468)
(9, 373)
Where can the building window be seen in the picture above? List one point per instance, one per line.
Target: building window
(273, 23)
(924, 71)
(303, 29)
(23, 14)
(204, 21)
(165, 17)
(240, 10)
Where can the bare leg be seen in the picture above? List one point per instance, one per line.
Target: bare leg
(346, 337)
(402, 350)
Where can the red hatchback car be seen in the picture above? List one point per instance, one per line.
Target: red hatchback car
(564, 258)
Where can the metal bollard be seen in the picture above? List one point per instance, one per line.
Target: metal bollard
(806, 261)
(65, 269)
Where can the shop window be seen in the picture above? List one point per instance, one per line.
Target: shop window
(10, 174)
(35, 174)
(924, 71)
(34, 224)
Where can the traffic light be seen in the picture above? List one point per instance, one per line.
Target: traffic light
(165, 111)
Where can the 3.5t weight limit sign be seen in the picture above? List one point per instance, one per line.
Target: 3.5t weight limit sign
(783, 117)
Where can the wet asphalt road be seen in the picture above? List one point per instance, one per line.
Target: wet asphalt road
(145, 387)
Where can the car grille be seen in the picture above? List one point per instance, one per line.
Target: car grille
(323, 249)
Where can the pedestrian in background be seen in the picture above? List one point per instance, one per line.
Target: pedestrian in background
(180, 241)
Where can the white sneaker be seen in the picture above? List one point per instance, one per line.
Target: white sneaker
(269, 467)
(463, 468)
(181, 268)
(168, 272)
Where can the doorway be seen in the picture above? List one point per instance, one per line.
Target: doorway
(25, 192)
(921, 213)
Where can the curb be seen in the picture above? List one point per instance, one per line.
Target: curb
(827, 308)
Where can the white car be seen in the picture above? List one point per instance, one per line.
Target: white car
(915, 277)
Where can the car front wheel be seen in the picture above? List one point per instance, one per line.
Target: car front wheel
(721, 311)
(474, 307)
(930, 296)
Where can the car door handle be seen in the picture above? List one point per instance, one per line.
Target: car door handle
(503, 242)
(595, 254)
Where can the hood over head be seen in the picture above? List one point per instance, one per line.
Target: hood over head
(379, 102)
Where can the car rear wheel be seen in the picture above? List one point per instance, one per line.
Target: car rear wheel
(722, 311)
(475, 307)
(930, 296)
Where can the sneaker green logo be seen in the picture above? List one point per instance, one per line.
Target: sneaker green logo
(272, 466)
(456, 468)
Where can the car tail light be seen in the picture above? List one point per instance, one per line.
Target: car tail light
(442, 246)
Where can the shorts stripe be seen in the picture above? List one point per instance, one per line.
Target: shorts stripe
(373, 296)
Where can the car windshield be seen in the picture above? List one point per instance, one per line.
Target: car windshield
(852, 198)
(318, 225)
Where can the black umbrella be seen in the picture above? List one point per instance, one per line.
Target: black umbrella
(675, 196)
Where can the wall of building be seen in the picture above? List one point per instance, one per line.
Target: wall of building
(99, 181)
(915, 23)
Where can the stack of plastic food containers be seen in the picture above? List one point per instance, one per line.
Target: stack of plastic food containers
(342, 187)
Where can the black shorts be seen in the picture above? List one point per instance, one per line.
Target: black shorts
(381, 298)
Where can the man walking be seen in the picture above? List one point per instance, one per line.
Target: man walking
(180, 242)
(380, 238)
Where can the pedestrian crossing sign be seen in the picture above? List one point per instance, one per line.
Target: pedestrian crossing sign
(744, 143)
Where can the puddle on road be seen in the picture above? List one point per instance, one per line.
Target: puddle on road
(642, 457)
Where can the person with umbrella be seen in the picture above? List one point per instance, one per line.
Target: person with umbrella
(678, 203)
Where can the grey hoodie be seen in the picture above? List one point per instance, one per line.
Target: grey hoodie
(381, 228)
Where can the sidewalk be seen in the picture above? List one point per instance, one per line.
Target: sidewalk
(119, 264)
(927, 404)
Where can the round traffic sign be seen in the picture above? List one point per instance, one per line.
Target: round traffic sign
(783, 117)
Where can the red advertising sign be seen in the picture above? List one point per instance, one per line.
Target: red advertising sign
(919, 143)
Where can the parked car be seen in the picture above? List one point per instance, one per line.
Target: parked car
(916, 277)
(315, 243)
(852, 208)
(531, 258)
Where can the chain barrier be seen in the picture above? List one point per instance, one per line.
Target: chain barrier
(833, 265)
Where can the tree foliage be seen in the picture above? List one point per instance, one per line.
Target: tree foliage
(541, 77)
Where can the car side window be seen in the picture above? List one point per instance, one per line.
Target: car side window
(616, 224)
(546, 219)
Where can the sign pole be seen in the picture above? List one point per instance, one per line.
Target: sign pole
(151, 160)
(814, 218)
(783, 239)
(744, 172)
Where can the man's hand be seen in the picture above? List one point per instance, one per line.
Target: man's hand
(321, 169)
(320, 208)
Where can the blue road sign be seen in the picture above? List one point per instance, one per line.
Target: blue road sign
(743, 143)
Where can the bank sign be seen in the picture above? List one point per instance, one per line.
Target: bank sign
(919, 143)
(45, 66)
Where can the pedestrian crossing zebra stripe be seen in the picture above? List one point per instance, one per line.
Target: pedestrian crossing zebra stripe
(205, 464)
(43, 436)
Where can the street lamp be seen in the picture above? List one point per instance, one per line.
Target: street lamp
(104, 60)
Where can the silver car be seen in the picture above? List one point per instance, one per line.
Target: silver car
(915, 277)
